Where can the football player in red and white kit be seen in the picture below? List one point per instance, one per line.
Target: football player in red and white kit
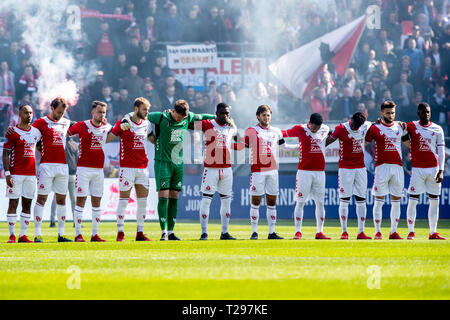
(53, 172)
(310, 179)
(89, 177)
(352, 170)
(389, 178)
(264, 141)
(428, 159)
(133, 166)
(217, 174)
(20, 171)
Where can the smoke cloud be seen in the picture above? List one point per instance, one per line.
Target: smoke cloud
(49, 40)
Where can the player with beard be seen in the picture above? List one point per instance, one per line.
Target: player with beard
(133, 166)
(89, 176)
(352, 170)
(20, 171)
(53, 170)
(388, 135)
(264, 142)
(428, 159)
(170, 128)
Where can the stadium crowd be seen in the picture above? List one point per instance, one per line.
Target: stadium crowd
(407, 60)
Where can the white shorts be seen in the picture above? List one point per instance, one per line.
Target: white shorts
(423, 180)
(352, 182)
(310, 184)
(89, 182)
(24, 186)
(128, 177)
(388, 179)
(264, 183)
(217, 179)
(53, 177)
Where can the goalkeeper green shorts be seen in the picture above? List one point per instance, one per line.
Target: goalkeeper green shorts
(168, 175)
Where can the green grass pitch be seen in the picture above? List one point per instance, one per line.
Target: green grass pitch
(214, 269)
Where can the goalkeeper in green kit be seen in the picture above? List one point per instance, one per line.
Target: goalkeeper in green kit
(170, 127)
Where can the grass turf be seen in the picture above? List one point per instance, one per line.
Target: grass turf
(213, 269)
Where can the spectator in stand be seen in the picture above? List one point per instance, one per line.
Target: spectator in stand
(315, 30)
(425, 30)
(394, 76)
(440, 105)
(26, 83)
(259, 94)
(169, 81)
(123, 105)
(386, 95)
(427, 73)
(150, 31)
(344, 107)
(7, 80)
(120, 70)
(152, 96)
(15, 58)
(420, 41)
(272, 91)
(190, 94)
(107, 98)
(171, 26)
(362, 59)
(351, 80)
(105, 47)
(379, 42)
(146, 59)
(403, 93)
(133, 83)
(215, 28)
(118, 26)
(383, 72)
(357, 96)
(415, 55)
(212, 89)
(332, 100)
(199, 106)
(362, 108)
(168, 98)
(368, 92)
(389, 57)
(95, 88)
(394, 29)
(4, 44)
(444, 44)
(318, 103)
(133, 52)
(435, 56)
(373, 110)
(193, 28)
(372, 64)
(82, 110)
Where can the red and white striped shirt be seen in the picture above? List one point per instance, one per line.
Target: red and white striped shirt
(263, 144)
(425, 141)
(132, 144)
(22, 144)
(92, 143)
(312, 146)
(388, 142)
(219, 141)
(351, 145)
(53, 139)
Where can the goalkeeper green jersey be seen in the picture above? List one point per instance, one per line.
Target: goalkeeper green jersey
(169, 134)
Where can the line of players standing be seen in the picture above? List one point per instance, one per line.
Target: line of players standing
(49, 134)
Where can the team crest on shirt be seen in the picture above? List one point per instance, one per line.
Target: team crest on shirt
(208, 188)
(413, 189)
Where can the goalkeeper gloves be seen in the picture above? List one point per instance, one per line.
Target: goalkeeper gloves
(125, 123)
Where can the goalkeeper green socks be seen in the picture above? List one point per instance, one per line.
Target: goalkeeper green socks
(163, 208)
(173, 211)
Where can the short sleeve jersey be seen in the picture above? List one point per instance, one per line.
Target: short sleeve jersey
(312, 146)
(219, 141)
(132, 144)
(425, 141)
(388, 142)
(22, 144)
(263, 144)
(54, 135)
(92, 143)
(351, 145)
